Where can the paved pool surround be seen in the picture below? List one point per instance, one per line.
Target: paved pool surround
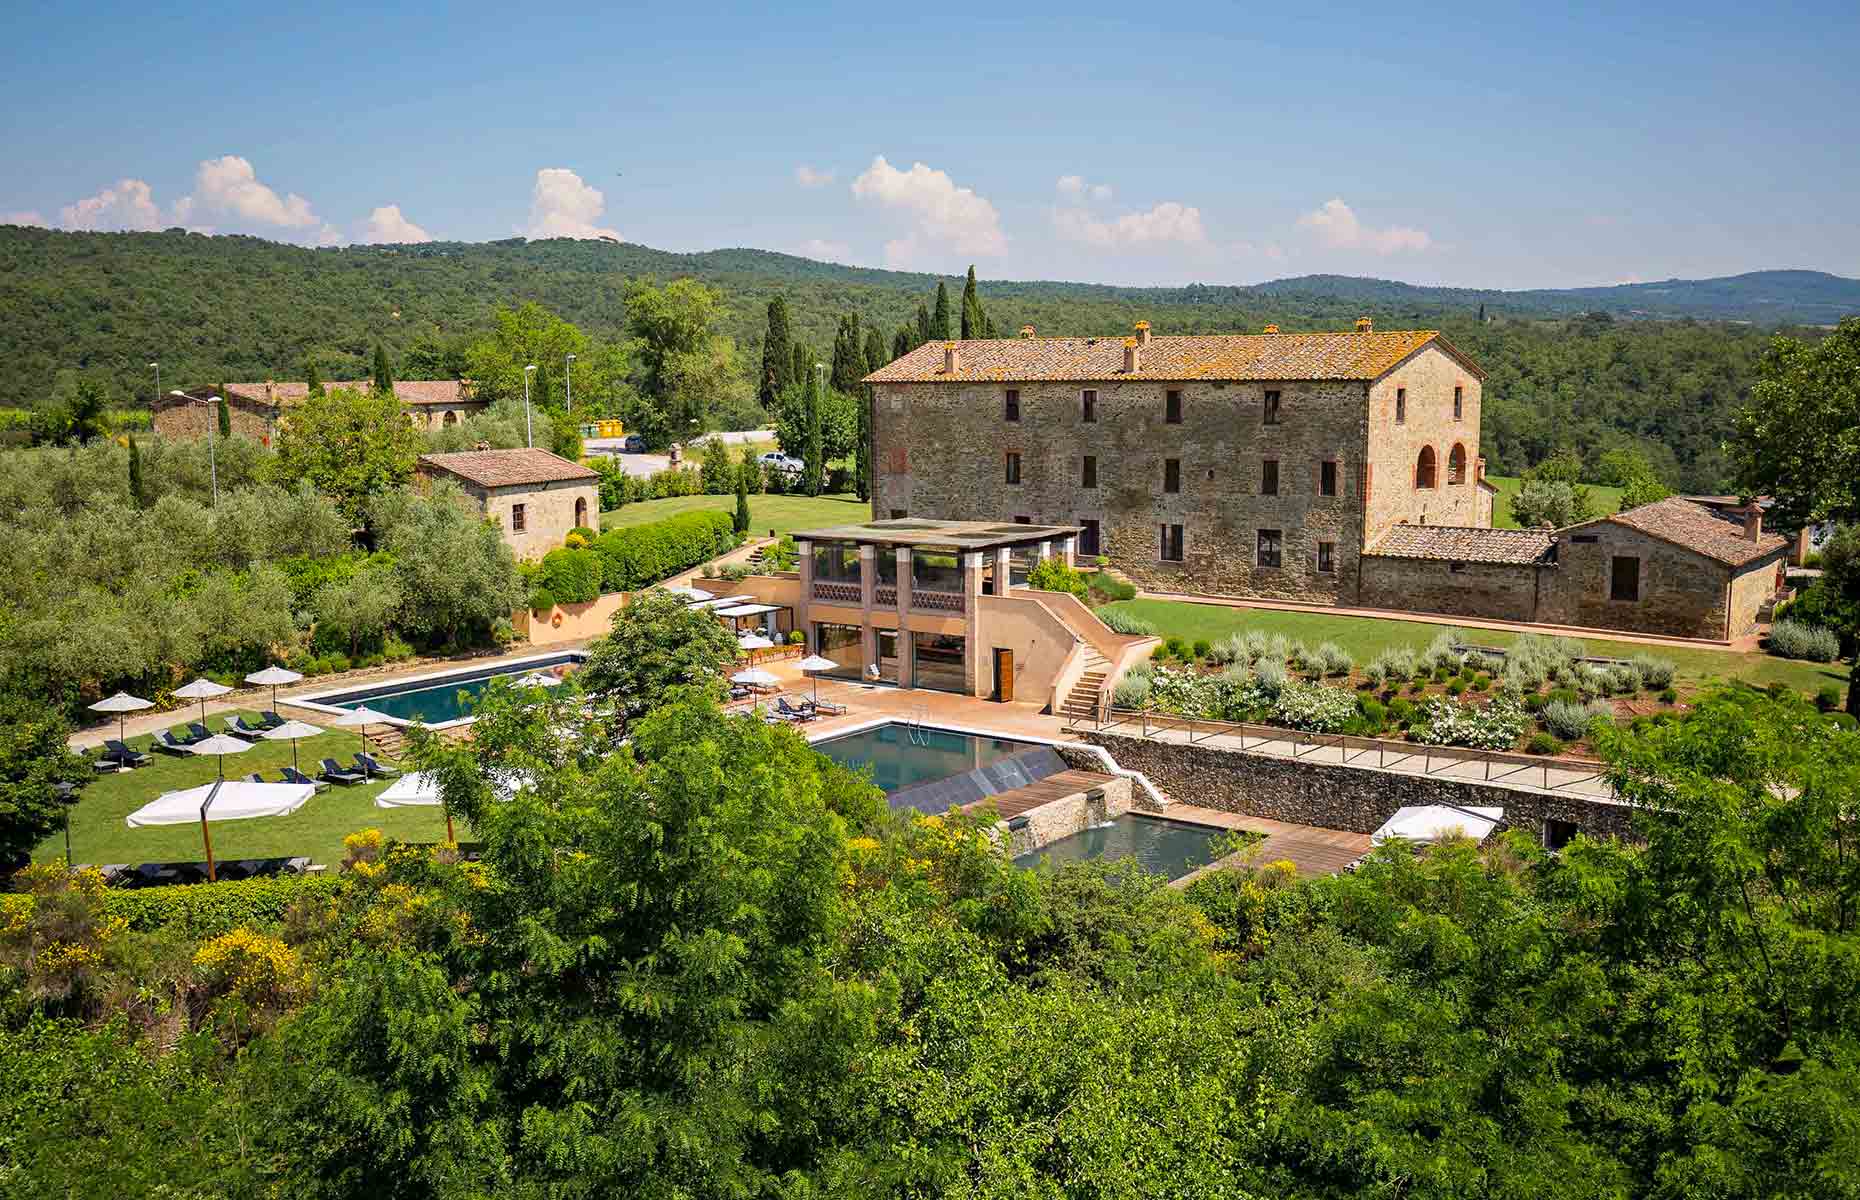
(336, 702)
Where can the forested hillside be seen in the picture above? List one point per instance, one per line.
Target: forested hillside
(217, 308)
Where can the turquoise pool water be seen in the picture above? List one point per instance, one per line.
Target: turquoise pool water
(1168, 848)
(434, 701)
(901, 757)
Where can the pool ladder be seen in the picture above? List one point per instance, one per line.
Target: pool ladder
(914, 726)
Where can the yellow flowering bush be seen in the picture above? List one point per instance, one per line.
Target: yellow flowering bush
(364, 856)
(256, 968)
(54, 935)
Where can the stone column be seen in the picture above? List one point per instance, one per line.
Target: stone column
(804, 563)
(1004, 569)
(973, 673)
(1069, 549)
(1046, 550)
(868, 583)
(907, 676)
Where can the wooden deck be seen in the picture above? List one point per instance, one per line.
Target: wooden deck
(1311, 849)
(1058, 786)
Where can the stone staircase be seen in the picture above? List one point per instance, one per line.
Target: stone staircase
(1081, 702)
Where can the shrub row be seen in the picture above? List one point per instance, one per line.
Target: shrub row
(208, 909)
(1794, 639)
(641, 555)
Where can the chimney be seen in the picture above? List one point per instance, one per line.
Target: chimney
(1133, 356)
(1272, 329)
(1479, 469)
(1753, 521)
(952, 358)
(1026, 331)
(1364, 325)
(1143, 333)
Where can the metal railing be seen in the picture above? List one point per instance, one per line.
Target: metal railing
(884, 595)
(938, 601)
(840, 593)
(1498, 766)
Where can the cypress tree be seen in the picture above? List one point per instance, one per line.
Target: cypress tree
(803, 365)
(939, 320)
(740, 522)
(539, 387)
(848, 355)
(903, 342)
(313, 381)
(813, 455)
(974, 320)
(924, 330)
(384, 378)
(224, 414)
(135, 474)
(777, 355)
(875, 356)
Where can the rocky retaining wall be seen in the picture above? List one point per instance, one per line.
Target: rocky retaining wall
(1333, 796)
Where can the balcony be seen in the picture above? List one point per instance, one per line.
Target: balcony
(836, 593)
(928, 601)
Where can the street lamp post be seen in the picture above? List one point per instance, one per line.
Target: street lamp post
(157, 367)
(529, 435)
(568, 381)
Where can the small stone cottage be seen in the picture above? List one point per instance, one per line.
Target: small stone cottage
(535, 497)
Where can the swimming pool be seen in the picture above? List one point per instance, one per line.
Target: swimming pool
(433, 699)
(1164, 847)
(932, 770)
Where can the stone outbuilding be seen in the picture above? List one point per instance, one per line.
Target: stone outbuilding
(1674, 567)
(255, 408)
(535, 497)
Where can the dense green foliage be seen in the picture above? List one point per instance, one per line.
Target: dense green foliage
(709, 962)
(105, 302)
(34, 761)
(638, 556)
(657, 645)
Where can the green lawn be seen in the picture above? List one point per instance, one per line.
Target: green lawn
(1607, 499)
(98, 834)
(1366, 637)
(783, 514)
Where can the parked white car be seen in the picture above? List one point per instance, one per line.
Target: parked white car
(786, 463)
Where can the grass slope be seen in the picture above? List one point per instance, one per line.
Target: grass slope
(98, 834)
(1366, 637)
(783, 514)
(1607, 499)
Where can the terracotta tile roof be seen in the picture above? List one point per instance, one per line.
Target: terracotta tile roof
(1691, 525)
(1236, 356)
(1460, 543)
(409, 391)
(507, 468)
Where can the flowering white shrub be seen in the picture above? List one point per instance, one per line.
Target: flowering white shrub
(1315, 707)
(1495, 726)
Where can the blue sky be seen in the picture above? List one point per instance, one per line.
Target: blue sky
(1484, 146)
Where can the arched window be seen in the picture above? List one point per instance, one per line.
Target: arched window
(581, 513)
(1456, 464)
(1424, 468)
(452, 416)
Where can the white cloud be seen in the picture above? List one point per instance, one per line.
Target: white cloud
(28, 217)
(1335, 224)
(944, 216)
(807, 177)
(1074, 187)
(562, 206)
(1166, 222)
(389, 224)
(128, 205)
(826, 251)
(228, 186)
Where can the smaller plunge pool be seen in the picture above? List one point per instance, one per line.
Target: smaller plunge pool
(1163, 847)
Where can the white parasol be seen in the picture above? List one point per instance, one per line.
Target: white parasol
(291, 731)
(222, 800)
(360, 718)
(813, 664)
(273, 677)
(119, 704)
(220, 744)
(202, 690)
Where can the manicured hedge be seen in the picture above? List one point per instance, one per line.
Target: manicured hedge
(641, 555)
(572, 576)
(209, 909)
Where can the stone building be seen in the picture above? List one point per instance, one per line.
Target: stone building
(1255, 465)
(534, 496)
(1674, 567)
(255, 408)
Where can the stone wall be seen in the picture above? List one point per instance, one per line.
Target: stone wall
(1497, 591)
(171, 419)
(1068, 815)
(1753, 587)
(940, 453)
(548, 512)
(1394, 449)
(1333, 796)
(1682, 593)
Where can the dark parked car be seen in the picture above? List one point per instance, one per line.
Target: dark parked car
(633, 444)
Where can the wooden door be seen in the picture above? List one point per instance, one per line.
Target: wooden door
(1004, 674)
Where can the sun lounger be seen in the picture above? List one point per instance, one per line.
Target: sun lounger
(121, 752)
(803, 712)
(196, 732)
(269, 720)
(371, 767)
(293, 775)
(255, 777)
(238, 728)
(830, 708)
(167, 743)
(332, 771)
